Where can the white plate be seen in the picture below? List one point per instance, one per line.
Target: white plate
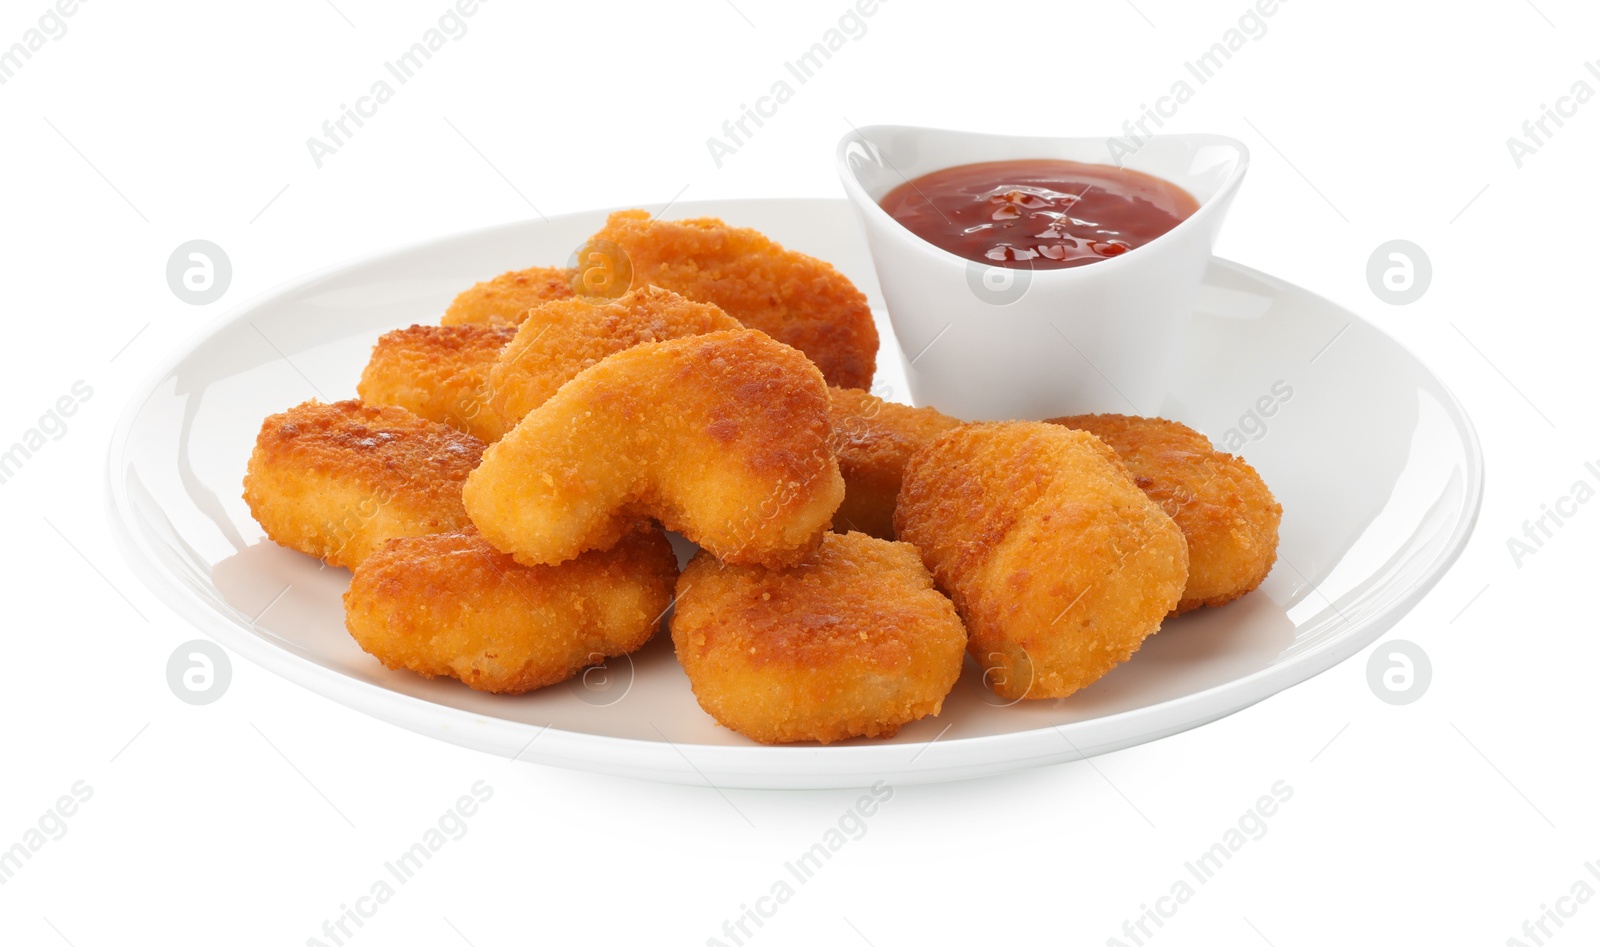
(1375, 463)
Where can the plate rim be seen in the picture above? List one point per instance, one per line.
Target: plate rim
(749, 766)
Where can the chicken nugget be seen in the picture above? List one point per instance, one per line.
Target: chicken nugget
(873, 439)
(506, 299)
(337, 481)
(450, 605)
(560, 339)
(1059, 565)
(722, 437)
(440, 373)
(1225, 510)
(796, 299)
(852, 641)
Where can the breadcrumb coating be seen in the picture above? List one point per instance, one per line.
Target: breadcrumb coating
(854, 640)
(560, 339)
(797, 299)
(337, 481)
(873, 440)
(722, 437)
(450, 605)
(440, 373)
(1059, 565)
(1228, 516)
(506, 299)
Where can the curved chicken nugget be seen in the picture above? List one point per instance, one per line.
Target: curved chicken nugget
(440, 373)
(337, 481)
(722, 437)
(874, 439)
(506, 299)
(796, 299)
(1225, 510)
(450, 605)
(1059, 565)
(560, 339)
(852, 641)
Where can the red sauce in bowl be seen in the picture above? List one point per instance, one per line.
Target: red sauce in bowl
(1038, 213)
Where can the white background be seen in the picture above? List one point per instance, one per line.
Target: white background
(1451, 820)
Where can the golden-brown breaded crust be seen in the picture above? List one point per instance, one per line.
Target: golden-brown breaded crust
(337, 481)
(450, 605)
(506, 299)
(852, 641)
(874, 439)
(440, 373)
(1059, 565)
(797, 299)
(560, 339)
(722, 437)
(1225, 510)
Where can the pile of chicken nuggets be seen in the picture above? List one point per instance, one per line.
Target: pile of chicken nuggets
(501, 487)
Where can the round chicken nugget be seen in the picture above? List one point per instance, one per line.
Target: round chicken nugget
(874, 439)
(450, 605)
(797, 299)
(440, 373)
(560, 339)
(722, 437)
(506, 299)
(1057, 562)
(1225, 510)
(853, 641)
(337, 481)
